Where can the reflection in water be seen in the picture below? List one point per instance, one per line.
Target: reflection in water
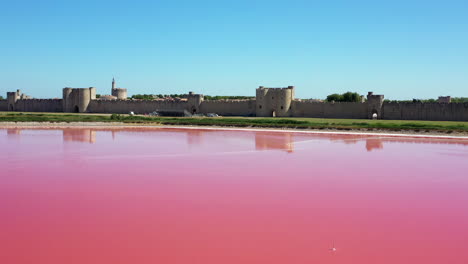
(280, 141)
(263, 140)
(231, 197)
(374, 143)
(79, 135)
(194, 137)
(13, 131)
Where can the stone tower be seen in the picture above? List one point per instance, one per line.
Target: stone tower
(374, 105)
(12, 97)
(194, 101)
(272, 102)
(120, 93)
(76, 100)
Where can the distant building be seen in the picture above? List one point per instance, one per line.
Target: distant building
(444, 99)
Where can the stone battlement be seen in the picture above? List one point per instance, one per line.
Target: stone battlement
(268, 102)
(275, 88)
(230, 100)
(40, 100)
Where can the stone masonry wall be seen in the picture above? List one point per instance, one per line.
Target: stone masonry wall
(136, 106)
(39, 105)
(426, 111)
(278, 102)
(329, 110)
(229, 107)
(3, 105)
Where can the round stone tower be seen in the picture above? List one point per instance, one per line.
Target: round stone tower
(66, 102)
(76, 100)
(120, 93)
(272, 102)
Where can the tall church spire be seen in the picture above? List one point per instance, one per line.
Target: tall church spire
(113, 83)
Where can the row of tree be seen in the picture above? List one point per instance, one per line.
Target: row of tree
(206, 97)
(453, 100)
(459, 99)
(346, 97)
(219, 97)
(156, 96)
(355, 97)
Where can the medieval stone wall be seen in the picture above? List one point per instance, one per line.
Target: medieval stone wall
(229, 107)
(136, 106)
(426, 111)
(329, 110)
(268, 102)
(3, 105)
(39, 105)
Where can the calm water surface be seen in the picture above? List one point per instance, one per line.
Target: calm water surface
(213, 197)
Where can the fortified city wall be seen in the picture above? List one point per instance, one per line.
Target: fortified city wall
(269, 102)
(39, 105)
(426, 111)
(17, 101)
(136, 106)
(3, 105)
(229, 107)
(329, 110)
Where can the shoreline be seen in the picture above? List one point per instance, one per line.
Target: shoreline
(121, 125)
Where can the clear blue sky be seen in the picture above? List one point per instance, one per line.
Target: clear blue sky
(403, 49)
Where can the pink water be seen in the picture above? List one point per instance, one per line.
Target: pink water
(212, 197)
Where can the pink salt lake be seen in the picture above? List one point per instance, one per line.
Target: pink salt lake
(213, 197)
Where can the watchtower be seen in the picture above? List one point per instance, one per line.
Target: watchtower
(444, 99)
(12, 97)
(120, 93)
(272, 102)
(374, 105)
(194, 101)
(76, 100)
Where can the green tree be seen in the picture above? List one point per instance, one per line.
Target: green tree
(335, 97)
(351, 97)
(1, 98)
(219, 97)
(459, 99)
(143, 96)
(346, 97)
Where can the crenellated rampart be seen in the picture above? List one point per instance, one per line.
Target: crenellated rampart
(269, 102)
(136, 106)
(425, 111)
(3, 105)
(229, 107)
(39, 105)
(329, 110)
